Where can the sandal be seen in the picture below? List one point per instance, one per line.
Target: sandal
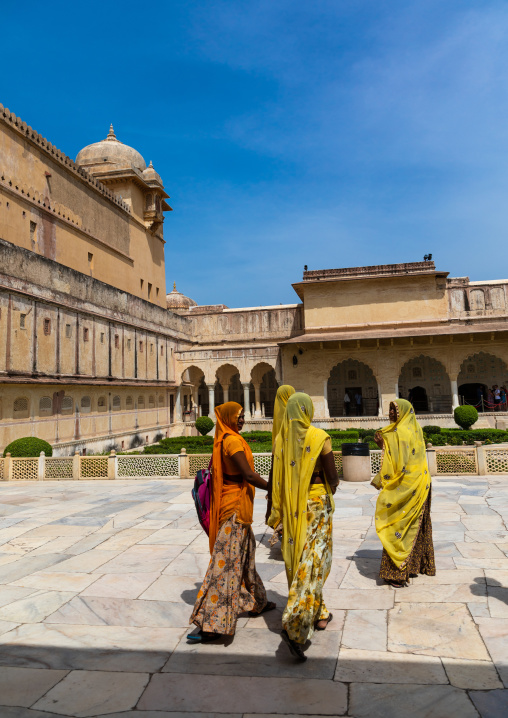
(322, 628)
(397, 584)
(294, 647)
(203, 637)
(269, 606)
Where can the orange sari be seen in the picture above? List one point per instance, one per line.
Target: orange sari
(228, 498)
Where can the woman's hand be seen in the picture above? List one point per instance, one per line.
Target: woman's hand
(378, 438)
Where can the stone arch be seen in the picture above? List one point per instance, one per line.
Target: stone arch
(263, 388)
(424, 381)
(477, 374)
(223, 377)
(357, 379)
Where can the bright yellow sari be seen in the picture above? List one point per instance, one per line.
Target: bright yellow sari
(297, 448)
(404, 481)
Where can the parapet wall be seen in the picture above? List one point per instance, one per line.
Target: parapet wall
(37, 140)
(28, 273)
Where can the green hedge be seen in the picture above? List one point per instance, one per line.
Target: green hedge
(431, 429)
(456, 437)
(28, 446)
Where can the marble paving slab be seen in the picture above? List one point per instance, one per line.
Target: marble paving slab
(86, 693)
(22, 687)
(434, 629)
(70, 647)
(379, 701)
(244, 694)
(365, 666)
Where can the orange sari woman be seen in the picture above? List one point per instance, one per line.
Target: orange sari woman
(232, 584)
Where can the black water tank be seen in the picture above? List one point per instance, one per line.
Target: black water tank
(358, 449)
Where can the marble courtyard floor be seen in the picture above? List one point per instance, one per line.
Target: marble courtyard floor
(97, 581)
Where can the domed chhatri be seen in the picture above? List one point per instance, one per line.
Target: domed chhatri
(150, 175)
(110, 151)
(177, 301)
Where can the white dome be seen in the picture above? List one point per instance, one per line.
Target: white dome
(110, 151)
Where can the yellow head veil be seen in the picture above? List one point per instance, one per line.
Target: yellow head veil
(404, 481)
(279, 407)
(297, 448)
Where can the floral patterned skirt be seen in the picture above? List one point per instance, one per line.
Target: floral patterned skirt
(305, 604)
(421, 559)
(232, 584)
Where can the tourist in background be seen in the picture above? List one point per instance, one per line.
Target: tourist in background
(359, 404)
(496, 391)
(347, 404)
(232, 584)
(403, 506)
(504, 398)
(304, 479)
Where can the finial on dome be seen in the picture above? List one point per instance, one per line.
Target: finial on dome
(174, 283)
(150, 165)
(111, 133)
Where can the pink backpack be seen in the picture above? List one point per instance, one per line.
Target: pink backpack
(201, 493)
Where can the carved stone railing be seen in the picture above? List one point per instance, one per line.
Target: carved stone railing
(442, 460)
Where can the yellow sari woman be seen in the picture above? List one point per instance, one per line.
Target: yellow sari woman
(403, 507)
(304, 479)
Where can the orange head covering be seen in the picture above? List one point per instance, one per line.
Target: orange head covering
(228, 499)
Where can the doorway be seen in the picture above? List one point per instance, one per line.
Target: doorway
(418, 398)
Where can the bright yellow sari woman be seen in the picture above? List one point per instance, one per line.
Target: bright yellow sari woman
(404, 500)
(302, 500)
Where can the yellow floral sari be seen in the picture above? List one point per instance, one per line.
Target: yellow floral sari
(297, 448)
(404, 481)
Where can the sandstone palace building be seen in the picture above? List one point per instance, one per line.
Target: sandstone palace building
(94, 354)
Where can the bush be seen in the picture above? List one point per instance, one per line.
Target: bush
(204, 425)
(437, 440)
(465, 416)
(28, 446)
(253, 436)
(427, 430)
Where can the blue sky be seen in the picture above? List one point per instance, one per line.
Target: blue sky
(333, 133)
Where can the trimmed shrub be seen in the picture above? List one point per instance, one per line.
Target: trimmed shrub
(465, 416)
(427, 430)
(204, 425)
(28, 446)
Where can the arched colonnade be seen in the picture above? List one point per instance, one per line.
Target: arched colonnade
(353, 388)
(254, 388)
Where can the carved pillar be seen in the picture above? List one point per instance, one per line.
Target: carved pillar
(455, 393)
(178, 404)
(211, 400)
(246, 394)
(257, 400)
(325, 399)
